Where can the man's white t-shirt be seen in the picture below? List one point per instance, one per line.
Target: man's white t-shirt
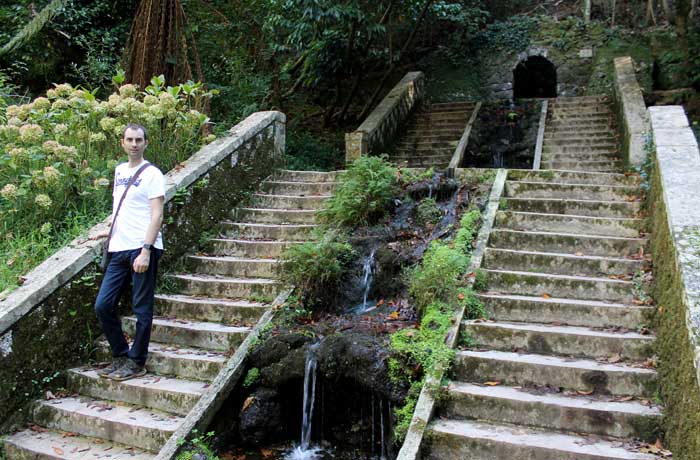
(135, 214)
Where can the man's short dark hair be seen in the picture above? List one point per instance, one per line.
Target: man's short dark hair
(135, 126)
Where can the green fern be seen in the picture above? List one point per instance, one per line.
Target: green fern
(33, 27)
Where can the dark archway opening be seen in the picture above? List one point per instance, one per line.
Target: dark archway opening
(535, 77)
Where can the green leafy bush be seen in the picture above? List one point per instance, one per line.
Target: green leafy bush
(57, 159)
(197, 448)
(468, 228)
(427, 212)
(365, 192)
(438, 276)
(316, 267)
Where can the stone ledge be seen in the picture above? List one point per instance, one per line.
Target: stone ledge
(632, 113)
(68, 261)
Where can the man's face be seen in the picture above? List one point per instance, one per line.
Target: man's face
(134, 143)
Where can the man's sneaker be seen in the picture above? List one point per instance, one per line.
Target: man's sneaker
(116, 364)
(128, 371)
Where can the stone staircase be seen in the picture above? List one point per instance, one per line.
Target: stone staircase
(432, 135)
(217, 303)
(560, 370)
(580, 135)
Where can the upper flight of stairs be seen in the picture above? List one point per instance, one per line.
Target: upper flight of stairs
(560, 370)
(218, 302)
(432, 134)
(580, 135)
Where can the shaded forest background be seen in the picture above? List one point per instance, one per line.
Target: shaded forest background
(324, 63)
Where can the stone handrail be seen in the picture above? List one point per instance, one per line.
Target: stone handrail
(632, 115)
(377, 131)
(673, 204)
(540, 136)
(71, 259)
(425, 407)
(458, 156)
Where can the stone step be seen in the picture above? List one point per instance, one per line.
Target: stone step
(582, 141)
(564, 311)
(178, 361)
(177, 396)
(285, 175)
(603, 226)
(422, 162)
(432, 136)
(592, 166)
(462, 105)
(275, 216)
(582, 158)
(251, 230)
(426, 144)
(257, 289)
(550, 190)
(573, 207)
(573, 115)
(438, 131)
(234, 266)
(575, 177)
(262, 200)
(591, 245)
(561, 286)
(559, 340)
(408, 152)
(459, 116)
(429, 158)
(554, 372)
(609, 148)
(580, 414)
(576, 123)
(558, 263)
(211, 336)
(120, 423)
(248, 248)
(577, 101)
(588, 136)
(278, 187)
(209, 309)
(437, 123)
(474, 440)
(52, 445)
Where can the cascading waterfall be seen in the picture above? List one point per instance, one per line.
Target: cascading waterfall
(304, 451)
(366, 285)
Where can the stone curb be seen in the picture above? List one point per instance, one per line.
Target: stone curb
(540, 136)
(464, 140)
(632, 113)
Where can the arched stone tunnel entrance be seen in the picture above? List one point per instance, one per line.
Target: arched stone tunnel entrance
(534, 77)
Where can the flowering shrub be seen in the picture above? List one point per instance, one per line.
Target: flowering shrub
(58, 154)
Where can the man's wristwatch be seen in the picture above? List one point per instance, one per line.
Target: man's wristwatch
(148, 246)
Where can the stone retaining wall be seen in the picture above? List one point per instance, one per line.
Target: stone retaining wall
(378, 130)
(48, 324)
(674, 202)
(632, 115)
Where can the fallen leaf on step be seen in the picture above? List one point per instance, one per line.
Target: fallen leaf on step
(615, 358)
(492, 384)
(460, 296)
(579, 253)
(624, 399)
(246, 404)
(394, 315)
(546, 296)
(585, 393)
(266, 453)
(69, 434)
(58, 450)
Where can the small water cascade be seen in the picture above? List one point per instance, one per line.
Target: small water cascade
(304, 451)
(366, 284)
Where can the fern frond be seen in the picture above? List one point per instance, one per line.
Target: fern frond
(33, 27)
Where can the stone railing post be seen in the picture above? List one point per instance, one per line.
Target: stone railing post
(632, 114)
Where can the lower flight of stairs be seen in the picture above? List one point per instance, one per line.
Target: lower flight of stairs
(580, 135)
(218, 302)
(432, 134)
(562, 368)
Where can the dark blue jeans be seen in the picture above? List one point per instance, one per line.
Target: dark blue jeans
(117, 277)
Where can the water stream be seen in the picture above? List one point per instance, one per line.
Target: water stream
(304, 451)
(366, 284)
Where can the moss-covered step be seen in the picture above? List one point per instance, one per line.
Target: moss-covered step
(560, 136)
(574, 312)
(262, 200)
(581, 157)
(591, 208)
(258, 289)
(586, 225)
(563, 374)
(423, 151)
(578, 125)
(557, 263)
(276, 216)
(460, 116)
(53, 445)
(209, 309)
(279, 187)
(568, 243)
(287, 232)
(575, 177)
(462, 439)
(156, 392)
(599, 166)
(248, 248)
(122, 423)
(212, 336)
(178, 361)
(286, 175)
(433, 131)
(561, 286)
(421, 143)
(579, 101)
(568, 115)
(527, 407)
(560, 340)
(545, 189)
(233, 266)
(609, 148)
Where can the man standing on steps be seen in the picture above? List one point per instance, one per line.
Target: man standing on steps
(135, 245)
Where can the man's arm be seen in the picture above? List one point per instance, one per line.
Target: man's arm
(143, 260)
